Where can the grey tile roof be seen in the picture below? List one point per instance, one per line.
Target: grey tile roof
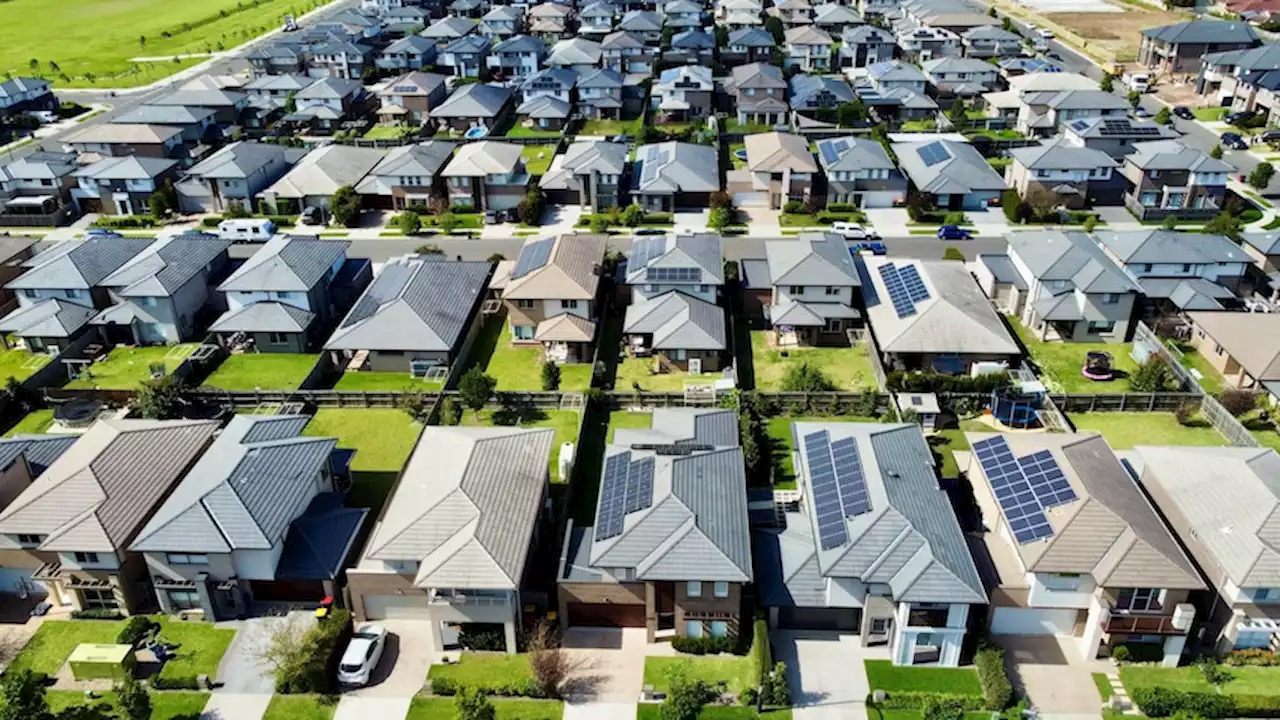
(413, 83)
(1059, 154)
(1112, 128)
(164, 115)
(267, 316)
(757, 75)
(702, 251)
(693, 40)
(574, 51)
(961, 170)
(38, 451)
(128, 167)
(898, 71)
(79, 265)
(601, 78)
(323, 170)
(1002, 269)
(466, 505)
(696, 527)
(1264, 58)
(545, 107)
(811, 259)
(641, 21)
(237, 161)
(201, 98)
(330, 88)
(96, 495)
(677, 322)
(752, 38)
(1268, 243)
(852, 154)
(1187, 293)
(447, 28)
(166, 265)
(804, 87)
(563, 77)
(410, 44)
(521, 43)
(243, 492)
(287, 263)
(477, 100)
(1166, 246)
(320, 540)
(581, 158)
(621, 40)
(1204, 32)
(422, 159)
(673, 167)
(1251, 339)
(1173, 155)
(415, 303)
(47, 318)
(1070, 256)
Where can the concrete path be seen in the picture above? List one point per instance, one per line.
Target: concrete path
(351, 707)
(236, 706)
(599, 710)
(889, 222)
(826, 673)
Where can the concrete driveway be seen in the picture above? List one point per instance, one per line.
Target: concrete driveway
(826, 673)
(241, 670)
(607, 671)
(402, 670)
(1050, 672)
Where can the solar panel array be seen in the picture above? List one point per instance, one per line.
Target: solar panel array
(905, 287)
(533, 256)
(849, 477)
(625, 487)
(839, 486)
(1025, 487)
(1124, 127)
(934, 153)
(673, 274)
(645, 249)
(832, 149)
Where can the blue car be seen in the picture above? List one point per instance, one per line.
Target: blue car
(876, 248)
(953, 232)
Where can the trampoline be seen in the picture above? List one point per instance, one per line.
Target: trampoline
(77, 413)
(1016, 408)
(1097, 366)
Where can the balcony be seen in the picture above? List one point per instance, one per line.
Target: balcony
(449, 597)
(1142, 625)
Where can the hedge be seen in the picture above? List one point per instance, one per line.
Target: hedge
(1156, 701)
(124, 221)
(916, 700)
(704, 645)
(175, 682)
(1253, 656)
(524, 687)
(997, 691)
(96, 614)
(318, 671)
(761, 654)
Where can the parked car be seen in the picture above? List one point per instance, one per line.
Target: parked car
(953, 232)
(1141, 112)
(46, 116)
(362, 655)
(1236, 118)
(495, 217)
(853, 231)
(1233, 141)
(311, 216)
(1045, 33)
(1270, 136)
(650, 231)
(1184, 112)
(876, 248)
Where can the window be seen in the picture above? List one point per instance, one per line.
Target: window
(796, 290)
(879, 626)
(523, 332)
(30, 293)
(1140, 599)
(87, 557)
(831, 291)
(1186, 267)
(1110, 299)
(720, 589)
(693, 588)
(678, 355)
(276, 338)
(693, 628)
(1266, 594)
(184, 600)
(1146, 267)
(1042, 173)
(147, 302)
(187, 559)
(719, 628)
(833, 325)
(524, 304)
(30, 540)
(1218, 350)
(1096, 326)
(73, 294)
(704, 288)
(569, 304)
(98, 599)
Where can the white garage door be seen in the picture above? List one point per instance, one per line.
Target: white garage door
(751, 199)
(396, 607)
(1029, 621)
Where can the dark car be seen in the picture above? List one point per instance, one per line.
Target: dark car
(311, 216)
(650, 231)
(953, 232)
(876, 248)
(1184, 112)
(1236, 118)
(1234, 141)
(1270, 136)
(494, 217)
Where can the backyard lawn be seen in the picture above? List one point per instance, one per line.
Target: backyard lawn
(519, 130)
(371, 381)
(628, 420)
(20, 364)
(848, 368)
(200, 645)
(884, 675)
(386, 132)
(441, 708)
(484, 670)
(949, 441)
(167, 705)
(734, 671)
(1060, 363)
(519, 367)
(1123, 430)
(779, 431)
(1210, 379)
(564, 422)
(1244, 680)
(301, 707)
(125, 368)
(33, 423)
(262, 371)
(611, 127)
(382, 440)
(537, 158)
(633, 371)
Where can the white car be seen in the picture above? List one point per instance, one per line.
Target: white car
(362, 655)
(1045, 33)
(852, 231)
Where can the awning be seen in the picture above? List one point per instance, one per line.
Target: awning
(29, 201)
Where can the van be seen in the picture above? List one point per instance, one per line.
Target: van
(247, 230)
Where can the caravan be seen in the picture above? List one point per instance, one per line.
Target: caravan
(247, 230)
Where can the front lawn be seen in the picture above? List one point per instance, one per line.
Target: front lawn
(884, 675)
(848, 368)
(564, 422)
(628, 420)
(200, 645)
(20, 364)
(301, 707)
(780, 448)
(733, 671)
(1244, 680)
(165, 705)
(262, 371)
(125, 368)
(1060, 362)
(441, 708)
(484, 670)
(33, 423)
(1210, 114)
(374, 381)
(537, 158)
(382, 440)
(1103, 683)
(653, 711)
(1123, 430)
(519, 367)
(611, 127)
(804, 220)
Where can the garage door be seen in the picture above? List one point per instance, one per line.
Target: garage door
(606, 615)
(751, 199)
(843, 619)
(396, 607)
(1030, 621)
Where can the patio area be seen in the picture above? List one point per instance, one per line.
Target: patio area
(519, 367)
(126, 368)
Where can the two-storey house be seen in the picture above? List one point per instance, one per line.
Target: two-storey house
(487, 175)
(195, 122)
(227, 105)
(122, 185)
(1057, 173)
(965, 77)
(1179, 48)
(407, 54)
(834, 17)
(503, 21)
(682, 14)
(759, 92)
(589, 173)
(119, 140)
(674, 317)
(600, 94)
(411, 97)
(1180, 271)
(467, 56)
(807, 48)
(684, 93)
(626, 52)
(550, 294)
(448, 29)
(577, 54)
(37, 189)
(518, 57)
(859, 172)
(673, 175)
(806, 289)
(792, 13)
(780, 169)
(894, 75)
(644, 23)
(692, 46)
(818, 92)
(407, 177)
(324, 105)
(597, 18)
(1167, 178)
(865, 45)
(1115, 136)
(27, 94)
(950, 174)
(312, 182)
(990, 41)
(478, 105)
(748, 45)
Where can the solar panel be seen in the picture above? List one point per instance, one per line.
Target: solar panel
(1022, 508)
(849, 477)
(832, 532)
(640, 485)
(666, 274)
(910, 275)
(898, 294)
(934, 153)
(613, 497)
(1046, 479)
(532, 256)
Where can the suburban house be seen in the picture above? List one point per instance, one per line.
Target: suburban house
(478, 105)
(1082, 554)
(550, 294)
(288, 293)
(22, 459)
(418, 313)
(748, 45)
(26, 94)
(546, 98)
(695, 46)
(448, 29)
(893, 74)
(1180, 271)
(158, 295)
(589, 173)
(1056, 174)
(681, 14)
(779, 169)
(1043, 84)
(196, 122)
(1045, 113)
(865, 45)
(931, 315)
(1179, 48)
(122, 185)
(600, 94)
(407, 176)
(759, 93)
(411, 97)
(835, 17)
(409, 53)
(237, 173)
(1115, 136)
(258, 518)
(922, 44)
(269, 98)
(453, 544)
(119, 140)
(965, 77)
(487, 175)
(227, 105)
(578, 54)
(684, 93)
(670, 550)
(627, 52)
(1074, 291)
(1236, 78)
(1168, 178)
(672, 175)
(805, 289)
(597, 18)
(323, 106)
(75, 522)
(518, 57)
(1242, 346)
(1221, 503)
(807, 48)
(644, 23)
(818, 92)
(314, 180)
(950, 174)
(37, 189)
(792, 12)
(467, 56)
(1263, 249)
(878, 553)
(860, 173)
(340, 58)
(675, 282)
(502, 20)
(987, 41)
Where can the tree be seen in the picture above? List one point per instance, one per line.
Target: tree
(852, 112)
(530, 208)
(1216, 152)
(668, 32)
(805, 377)
(475, 389)
(142, 41)
(1134, 97)
(956, 112)
(1261, 175)
(773, 26)
(549, 664)
(1006, 24)
(291, 103)
(1224, 224)
(1170, 223)
(1090, 223)
(285, 648)
(345, 206)
(1108, 83)
(1153, 376)
(34, 64)
(235, 210)
(720, 218)
(159, 398)
(722, 36)
(170, 195)
(496, 258)
(550, 376)
(721, 199)
(409, 222)
(447, 223)
(632, 215)
(1238, 402)
(1164, 116)
(22, 696)
(685, 697)
(599, 223)
(155, 202)
(471, 704)
(133, 700)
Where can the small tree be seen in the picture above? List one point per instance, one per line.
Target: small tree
(410, 222)
(1224, 224)
(632, 215)
(475, 389)
(133, 700)
(773, 26)
(1164, 116)
(1108, 83)
(1153, 376)
(155, 202)
(549, 664)
(721, 199)
(22, 696)
(685, 698)
(159, 398)
(235, 210)
(805, 377)
(719, 218)
(471, 704)
(599, 223)
(1170, 222)
(956, 112)
(1134, 97)
(550, 376)
(345, 206)
(447, 223)
(450, 411)
(852, 112)
(1006, 23)
(1090, 223)
(530, 208)
(1261, 175)
(1216, 152)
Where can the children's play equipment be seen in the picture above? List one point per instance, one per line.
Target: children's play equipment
(1097, 366)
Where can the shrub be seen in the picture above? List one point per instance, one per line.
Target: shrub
(1254, 656)
(776, 691)
(473, 705)
(1157, 701)
(137, 628)
(917, 700)
(953, 218)
(450, 411)
(842, 207)
(795, 206)
(703, 645)
(598, 223)
(632, 215)
(1238, 402)
(314, 668)
(997, 691)
(96, 614)
(1153, 376)
(550, 376)
(1120, 653)
(175, 682)
(522, 687)
(748, 697)
(685, 699)
(929, 381)
(761, 657)
(125, 221)
(1009, 203)
(804, 377)
(1213, 673)
(482, 636)
(1139, 652)
(548, 663)
(409, 222)
(943, 710)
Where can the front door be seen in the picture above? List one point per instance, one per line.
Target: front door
(666, 597)
(695, 366)
(123, 207)
(955, 202)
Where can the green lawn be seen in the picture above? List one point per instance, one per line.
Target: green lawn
(732, 125)
(482, 670)
(125, 368)
(1103, 684)
(262, 371)
(385, 132)
(951, 440)
(564, 422)
(629, 420)
(1210, 379)
(653, 711)
(848, 368)
(386, 381)
(634, 371)
(98, 40)
(1210, 114)
(519, 367)
(734, 161)
(884, 675)
(1060, 362)
(926, 125)
(803, 220)
(165, 705)
(301, 707)
(33, 423)
(1244, 680)
(519, 130)
(20, 364)
(1123, 430)
(733, 671)
(441, 708)
(200, 645)
(537, 158)
(611, 127)
(780, 449)
(382, 440)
